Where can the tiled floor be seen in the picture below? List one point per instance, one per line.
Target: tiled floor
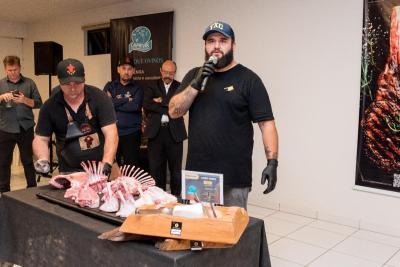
(300, 241)
(18, 179)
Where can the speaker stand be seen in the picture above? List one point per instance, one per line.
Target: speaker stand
(53, 165)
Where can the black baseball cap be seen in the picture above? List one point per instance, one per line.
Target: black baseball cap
(128, 60)
(221, 27)
(70, 70)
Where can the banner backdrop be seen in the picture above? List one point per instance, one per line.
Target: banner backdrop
(147, 38)
(378, 153)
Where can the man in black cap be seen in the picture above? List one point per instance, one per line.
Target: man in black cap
(83, 120)
(224, 98)
(127, 97)
(18, 96)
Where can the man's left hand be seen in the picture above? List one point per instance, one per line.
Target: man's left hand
(19, 98)
(158, 99)
(270, 174)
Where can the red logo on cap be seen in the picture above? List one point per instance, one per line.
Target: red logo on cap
(71, 69)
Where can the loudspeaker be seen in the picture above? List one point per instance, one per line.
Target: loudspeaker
(47, 56)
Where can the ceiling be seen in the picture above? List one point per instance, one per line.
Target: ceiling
(28, 11)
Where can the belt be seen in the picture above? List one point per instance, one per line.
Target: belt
(163, 124)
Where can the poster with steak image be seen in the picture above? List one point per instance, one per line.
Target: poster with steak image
(378, 153)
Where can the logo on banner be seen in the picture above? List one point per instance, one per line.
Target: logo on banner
(140, 40)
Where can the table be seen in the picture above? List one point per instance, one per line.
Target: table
(35, 232)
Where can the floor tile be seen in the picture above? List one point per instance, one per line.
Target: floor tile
(333, 227)
(291, 218)
(392, 229)
(258, 212)
(335, 259)
(395, 260)
(272, 238)
(378, 238)
(366, 249)
(352, 222)
(295, 251)
(280, 227)
(18, 181)
(277, 262)
(298, 210)
(317, 237)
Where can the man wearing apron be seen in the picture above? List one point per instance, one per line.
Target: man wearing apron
(83, 120)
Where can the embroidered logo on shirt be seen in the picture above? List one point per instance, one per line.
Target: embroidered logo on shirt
(128, 94)
(229, 88)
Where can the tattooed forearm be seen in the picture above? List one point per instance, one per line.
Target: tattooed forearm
(270, 138)
(176, 111)
(270, 154)
(181, 102)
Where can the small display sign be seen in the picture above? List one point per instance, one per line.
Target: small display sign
(196, 245)
(206, 186)
(176, 228)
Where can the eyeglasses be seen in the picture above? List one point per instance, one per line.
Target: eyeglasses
(168, 72)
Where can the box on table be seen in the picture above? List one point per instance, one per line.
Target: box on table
(226, 228)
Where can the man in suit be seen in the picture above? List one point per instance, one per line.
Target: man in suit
(165, 135)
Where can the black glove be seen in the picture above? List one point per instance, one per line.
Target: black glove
(42, 166)
(269, 173)
(107, 169)
(206, 71)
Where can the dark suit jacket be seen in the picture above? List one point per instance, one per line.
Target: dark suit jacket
(154, 111)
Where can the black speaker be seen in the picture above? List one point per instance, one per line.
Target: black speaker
(47, 56)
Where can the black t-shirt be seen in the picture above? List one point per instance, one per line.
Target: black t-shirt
(53, 118)
(220, 123)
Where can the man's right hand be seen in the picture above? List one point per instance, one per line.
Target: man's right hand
(6, 97)
(42, 166)
(206, 71)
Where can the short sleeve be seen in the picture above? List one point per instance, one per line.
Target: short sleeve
(259, 103)
(44, 126)
(105, 109)
(187, 80)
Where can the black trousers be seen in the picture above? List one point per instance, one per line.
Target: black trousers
(128, 151)
(7, 144)
(163, 149)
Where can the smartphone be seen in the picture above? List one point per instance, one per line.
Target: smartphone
(16, 93)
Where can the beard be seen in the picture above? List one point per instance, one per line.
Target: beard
(126, 78)
(224, 61)
(167, 80)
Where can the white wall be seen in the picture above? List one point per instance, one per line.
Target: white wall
(308, 55)
(11, 39)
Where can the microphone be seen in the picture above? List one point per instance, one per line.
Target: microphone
(213, 60)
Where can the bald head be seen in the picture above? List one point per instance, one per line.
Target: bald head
(168, 70)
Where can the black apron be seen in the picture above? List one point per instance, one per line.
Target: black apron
(82, 141)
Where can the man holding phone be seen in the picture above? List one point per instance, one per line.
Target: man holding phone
(18, 96)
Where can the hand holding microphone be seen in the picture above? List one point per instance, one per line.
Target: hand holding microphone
(200, 81)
